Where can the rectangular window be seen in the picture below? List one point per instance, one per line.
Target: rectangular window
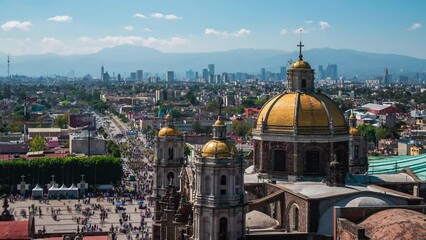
(222, 192)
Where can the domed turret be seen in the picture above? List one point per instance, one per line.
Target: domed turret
(169, 130)
(219, 146)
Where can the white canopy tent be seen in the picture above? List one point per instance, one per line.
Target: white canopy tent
(72, 191)
(37, 191)
(53, 191)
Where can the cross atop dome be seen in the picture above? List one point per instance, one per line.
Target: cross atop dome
(300, 51)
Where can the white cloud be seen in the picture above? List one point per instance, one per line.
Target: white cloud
(60, 18)
(309, 21)
(283, 31)
(111, 41)
(128, 28)
(165, 16)
(147, 30)
(324, 25)
(11, 25)
(49, 40)
(240, 33)
(415, 26)
(139, 15)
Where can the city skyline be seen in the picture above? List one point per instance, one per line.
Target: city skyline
(81, 27)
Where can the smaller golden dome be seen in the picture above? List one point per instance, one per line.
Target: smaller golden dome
(168, 131)
(219, 123)
(352, 117)
(300, 64)
(169, 116)
(219, 148)
(354, 132)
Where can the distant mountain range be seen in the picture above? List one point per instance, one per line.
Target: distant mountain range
(126, 58)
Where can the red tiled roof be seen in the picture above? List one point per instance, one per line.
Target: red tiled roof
(14, 230)
(104, 237)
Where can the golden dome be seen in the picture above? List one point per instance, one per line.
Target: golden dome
(301, 114)
(168, 131)
(219, 148)
(169, 116)
(219, 123)
(354, 132)
(352, 117)
(300, 64)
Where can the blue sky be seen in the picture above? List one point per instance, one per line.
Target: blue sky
(86, 26)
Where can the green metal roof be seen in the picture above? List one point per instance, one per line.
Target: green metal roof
(395, 164)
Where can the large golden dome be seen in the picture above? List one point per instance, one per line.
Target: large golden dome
(300, 64)
(168, 131)
(219, 148)
(298, 113)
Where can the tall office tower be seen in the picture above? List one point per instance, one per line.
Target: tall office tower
(196, 75)
(262, 74)
(170, 76)
(283, 73)
(211, 69)
(139, 75)
(331, 71)
(102, 72)
(189, 74)
(386, 77)
(321, 75)
(119, 77)
(205, 74)
(133, 76)
(106, 77)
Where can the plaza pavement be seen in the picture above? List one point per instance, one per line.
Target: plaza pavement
(66, 222)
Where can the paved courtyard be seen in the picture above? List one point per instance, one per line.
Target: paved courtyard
(67, 215)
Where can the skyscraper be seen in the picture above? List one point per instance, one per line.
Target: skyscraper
(283, 73)
(170, 76)
(211, 69)
(331, 71)
(262, 74)
(205, 74)
(139, 75)
(102, 72)
(321, 72)
(386, 77)
(133, 76)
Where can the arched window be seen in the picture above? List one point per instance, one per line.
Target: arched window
(280, 160)
(294, 218)
(303, 84)
(223, 229)
(223, 180)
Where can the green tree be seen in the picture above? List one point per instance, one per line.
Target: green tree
(61, 121)
(241, 128)
(37, 144)
(212, 106)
